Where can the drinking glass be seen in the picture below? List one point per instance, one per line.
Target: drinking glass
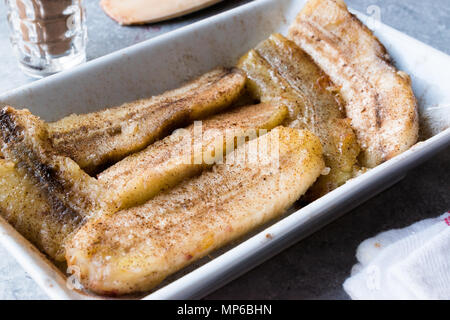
(48, 36)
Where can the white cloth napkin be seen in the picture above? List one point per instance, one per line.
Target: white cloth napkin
(410, 263)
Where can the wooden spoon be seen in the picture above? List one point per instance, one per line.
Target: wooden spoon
(146, 11)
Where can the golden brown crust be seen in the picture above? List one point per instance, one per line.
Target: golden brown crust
(380, 101)
(279, 71)
(96, 139)
(31, 213)
(135, 249)
(58, 195)
(185, 153)
(69, 189)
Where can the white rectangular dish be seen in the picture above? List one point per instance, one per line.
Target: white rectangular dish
(167, 61)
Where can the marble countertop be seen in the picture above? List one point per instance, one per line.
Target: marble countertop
(316, 267)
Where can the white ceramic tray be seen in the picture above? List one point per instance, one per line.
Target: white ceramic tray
(167, 61)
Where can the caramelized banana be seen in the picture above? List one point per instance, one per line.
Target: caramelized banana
(380, 100)
(135, 249)
(97, 139)
(279, 71)
(185, 153)
(30, 212)
(69, 190)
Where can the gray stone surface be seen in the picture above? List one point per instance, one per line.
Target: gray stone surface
(316, 267)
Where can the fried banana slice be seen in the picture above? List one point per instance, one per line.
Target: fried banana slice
(265, 85)
(28, 210)
(186, 153)
(68, 189)
(380, 100)
(135, 249)
(278, 70)
(101, 138)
